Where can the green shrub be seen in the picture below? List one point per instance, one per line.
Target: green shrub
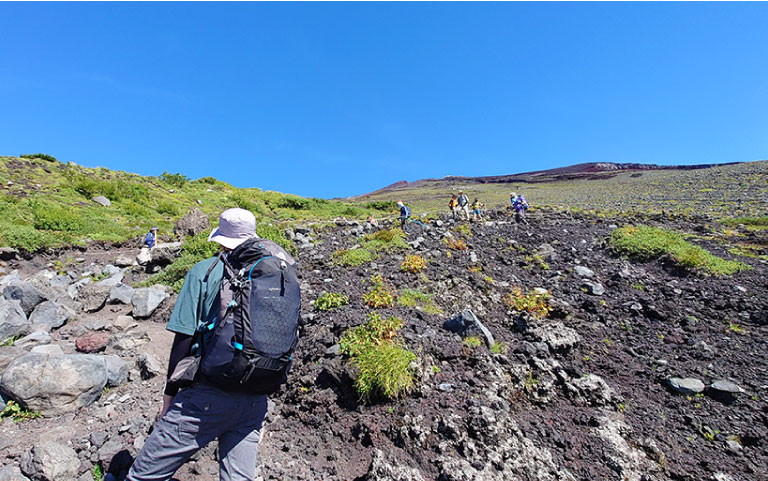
(19, 414)
(385, 205)
(385, 240)
(297, 203)
(532, 302)
(51, 217)
(167, 207)
(499, 348)
(415, 298)
(383, 364)
(47, 157)
(352, 257)
(207, 180)
(379, 295)
(646, 243)
(242, 199)
(328, 300)
(277, 235)
(413, 264)
(472, 342)
(27, 238)
(176, 180)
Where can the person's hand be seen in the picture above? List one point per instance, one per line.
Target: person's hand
(167, 400)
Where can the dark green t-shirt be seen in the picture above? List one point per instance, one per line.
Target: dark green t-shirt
(196, 298)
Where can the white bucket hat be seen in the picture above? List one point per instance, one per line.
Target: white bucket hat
(235, 227)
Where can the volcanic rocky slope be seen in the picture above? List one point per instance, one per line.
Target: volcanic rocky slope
(640, 372)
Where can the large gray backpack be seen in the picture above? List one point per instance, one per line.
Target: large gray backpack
(248, 347)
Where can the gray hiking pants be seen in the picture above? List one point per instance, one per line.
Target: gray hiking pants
(198, 415)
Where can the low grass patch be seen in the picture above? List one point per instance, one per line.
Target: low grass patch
(385, 240)
(383, 363)
(352, 257)
(416, 298)
(646, 243)
(329, 300)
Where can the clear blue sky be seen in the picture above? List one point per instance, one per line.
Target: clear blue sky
(340, 99)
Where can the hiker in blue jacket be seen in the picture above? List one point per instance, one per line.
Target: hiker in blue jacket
(520, 205)
(405, 213)
(151, 238)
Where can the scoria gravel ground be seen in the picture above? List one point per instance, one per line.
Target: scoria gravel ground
(579, 395)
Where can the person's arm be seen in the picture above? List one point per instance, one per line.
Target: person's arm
(179, 350)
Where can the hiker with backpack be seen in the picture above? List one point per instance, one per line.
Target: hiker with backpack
(477, 208)
(405, 213)
(520, 205)
(151, 238)
(236, 326)
(453, 205)
(464, 204)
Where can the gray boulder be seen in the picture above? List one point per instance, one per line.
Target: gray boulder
(594, 288)
(49, 315)
(112, 280)
(164, 254)
(37, 337)
(50, 461)
(93, 296)
(384, 468)
(191, 224)
(52, 349)
(685, 385)
(117, 370)
(101, 200)
(144, 257)
(13, 321)
(55, 384)
(585, 272)
(556, 335)
(123, 261)
(467, 324)
(590, 389)
(12, 473)
(27, 294)
(74, 289)
(8, 354)
(121, 294)
(149, 367)
(146, 299)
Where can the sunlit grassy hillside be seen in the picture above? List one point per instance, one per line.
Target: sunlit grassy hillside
(45, 203)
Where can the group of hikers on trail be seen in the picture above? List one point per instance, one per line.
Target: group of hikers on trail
(459, 205)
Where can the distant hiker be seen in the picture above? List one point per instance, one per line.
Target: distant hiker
(453, 205)
(512, 199)
(405, 213)
(477, 208)
(464, 204)
(520, 206)
(225, 364)
(151, 238)
(372, 221)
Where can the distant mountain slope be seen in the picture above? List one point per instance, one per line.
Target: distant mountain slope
(590, 170)
(724, 190)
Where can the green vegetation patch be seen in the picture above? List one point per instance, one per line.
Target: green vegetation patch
(385, 240)
(329, 300)
(17, 413)
(379, 295)
(416, 298)
(413, 264)
(352, 257)
(532, 302)
(383, 363)
(645, 243)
